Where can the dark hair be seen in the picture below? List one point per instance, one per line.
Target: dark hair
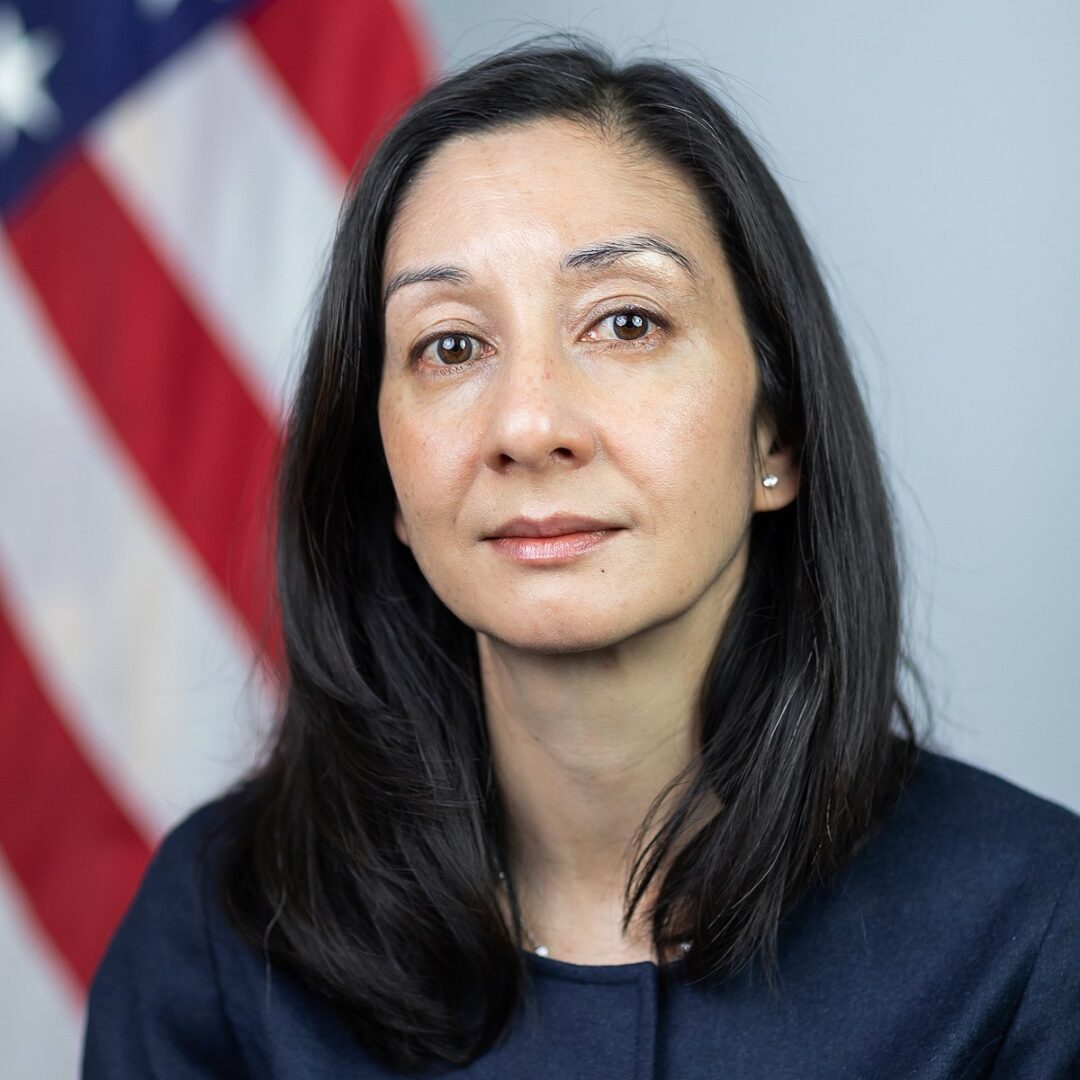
(363, 852)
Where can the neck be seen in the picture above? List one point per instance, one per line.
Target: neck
(582, 745)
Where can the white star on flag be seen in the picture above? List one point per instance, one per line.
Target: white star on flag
(25, 60)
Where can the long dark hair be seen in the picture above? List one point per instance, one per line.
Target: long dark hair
(363, 852)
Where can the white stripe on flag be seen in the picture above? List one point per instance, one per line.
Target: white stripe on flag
(142, 658)
(41, 1021)
(235, 192)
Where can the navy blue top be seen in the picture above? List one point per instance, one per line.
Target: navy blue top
(947, 949)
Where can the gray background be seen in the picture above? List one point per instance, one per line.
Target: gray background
(930, 152)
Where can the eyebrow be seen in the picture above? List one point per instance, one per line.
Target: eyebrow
(598, 256)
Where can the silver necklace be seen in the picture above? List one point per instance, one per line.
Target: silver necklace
(542, 950)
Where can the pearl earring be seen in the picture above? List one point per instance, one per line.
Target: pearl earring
(770, 481)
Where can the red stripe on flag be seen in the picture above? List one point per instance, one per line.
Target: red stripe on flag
(78, 856)
(175, 400)
(352, 66)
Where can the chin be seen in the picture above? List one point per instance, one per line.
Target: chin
(555, 643)
(547, 630)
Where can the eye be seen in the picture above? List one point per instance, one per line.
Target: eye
(449, 350)
(452, 349)
(629, 324)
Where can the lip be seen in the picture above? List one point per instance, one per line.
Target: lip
(552, 540)
(553, 525)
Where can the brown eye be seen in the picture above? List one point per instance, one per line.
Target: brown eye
(454, 348)
(629, 325)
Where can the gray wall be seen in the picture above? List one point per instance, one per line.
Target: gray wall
(931, 152)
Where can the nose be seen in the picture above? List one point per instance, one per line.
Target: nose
(538, 414)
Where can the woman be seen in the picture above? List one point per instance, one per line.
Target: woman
(593, 760)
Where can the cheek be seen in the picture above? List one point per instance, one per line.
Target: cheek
(404, 448)
(425, 465)
(695, 448)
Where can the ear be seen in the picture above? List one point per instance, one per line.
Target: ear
(399, 524)
(776, 460)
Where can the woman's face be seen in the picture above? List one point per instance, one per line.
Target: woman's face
(563, 337)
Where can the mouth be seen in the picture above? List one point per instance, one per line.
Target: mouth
(553, 540)
(554, 525)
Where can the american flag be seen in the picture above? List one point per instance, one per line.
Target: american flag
(170, 177)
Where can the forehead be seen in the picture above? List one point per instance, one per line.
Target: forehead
(538, 189)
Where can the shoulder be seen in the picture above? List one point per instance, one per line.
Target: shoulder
(966, 851)
(154, 1006)
(969, 812)
(185, 864)
(985, 878)
(178, 891)
(181, 876)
